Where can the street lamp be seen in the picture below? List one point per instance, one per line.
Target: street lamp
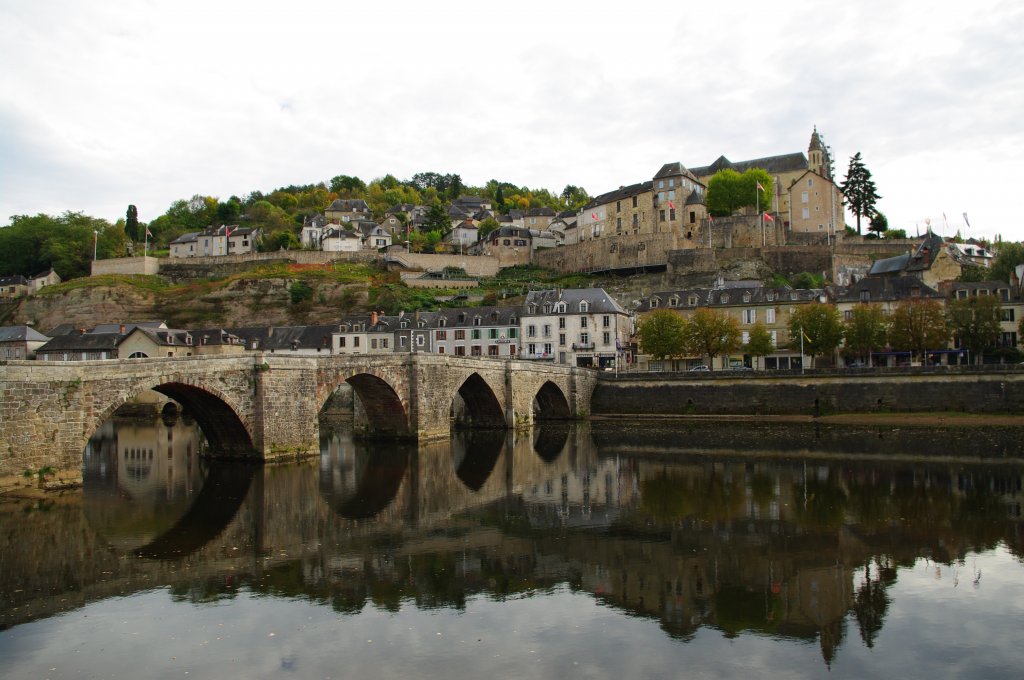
(95, 240)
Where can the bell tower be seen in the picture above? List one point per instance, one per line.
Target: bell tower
(819, 157)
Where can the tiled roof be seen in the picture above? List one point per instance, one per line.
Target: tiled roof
(773, 164)
(21, 334)
(598, 299)
(619, 194)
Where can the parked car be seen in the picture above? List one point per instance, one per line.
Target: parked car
(702, 367)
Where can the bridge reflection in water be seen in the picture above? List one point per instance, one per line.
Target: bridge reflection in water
(694, 527)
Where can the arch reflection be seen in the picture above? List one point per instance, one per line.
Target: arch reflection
(359, 480)
(475, 453)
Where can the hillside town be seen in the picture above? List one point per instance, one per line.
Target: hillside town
(658, 225)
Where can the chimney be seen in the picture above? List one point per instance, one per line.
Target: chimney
(121, 329)
(373, 318)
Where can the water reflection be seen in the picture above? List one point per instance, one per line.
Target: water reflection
(716, 529)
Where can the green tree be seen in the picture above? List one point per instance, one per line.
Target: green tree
(436, 219)
(820, 326)
(710, 333)
(974, 321)
(485, 227)
(574, 197)
(918, 325)
(728, 191)
(879, 223)
(865, 331)
(347, 186)
(859, 189)
(283, 239)
(759, 342)
(895, 233)
(661, 334)
(131, 224)
(1009, 256)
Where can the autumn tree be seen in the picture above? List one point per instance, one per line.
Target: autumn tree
(711, 333)
(974, 322)
(759, 342)
(859, 189)
(918, 325)
(865, 331)
(819, 325)
(661, 334)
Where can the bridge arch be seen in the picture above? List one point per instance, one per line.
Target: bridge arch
(386, 412)
(550, 403)
(216, 412)
(482, 410)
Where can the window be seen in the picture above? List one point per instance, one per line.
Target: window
(583, 322)
(401, 341)
(373, 343)
(561, 322)
(440, 350)
(1007, 314)
(618, 206)
(618, 223)
(636, 220)
(661, 184)
(775, 339)
(693, 217)
(475, 334)
(531, 331)
(460, 335)
(419, 341)
(341, 342)
(749, 315)
(865, 296)
(769, 315)
(547, 330)
(746, 337)
(460, 351)
(654, 302)
(606, 321)
(806, 214)
(584, 339)
(634, 200)
(440, 335)
(513, 333)
(355, 342)
(531, 348)
(606, 338)
(671, 197)
(672, 214)
(548, 350)
(561, 339)
(584, 306)
(492, 334)
(661, 215)
(803, 197)
(671, 183)
(492, 350)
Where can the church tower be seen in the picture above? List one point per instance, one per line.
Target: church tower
(819, 158)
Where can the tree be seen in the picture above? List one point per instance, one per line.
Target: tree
(661, 334)
(895, 233)
(1010, 255)
(574, 197)
(879, 223)
(759, 342)
(918, 325)
(865, 331)
(347, 186)
(486, 226)
(436, 219)
(974, 321)
(711, 333)
(131, 224)
(728, 191)
(820, 326)
(859, 189)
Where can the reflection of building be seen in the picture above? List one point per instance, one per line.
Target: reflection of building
(590, 497)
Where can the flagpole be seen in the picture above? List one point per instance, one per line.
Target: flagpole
(801, 349)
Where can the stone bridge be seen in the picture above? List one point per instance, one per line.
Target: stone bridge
(267, 405)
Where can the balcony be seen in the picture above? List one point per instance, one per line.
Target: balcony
(582, 346)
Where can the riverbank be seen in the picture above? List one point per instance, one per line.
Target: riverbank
(950, 419)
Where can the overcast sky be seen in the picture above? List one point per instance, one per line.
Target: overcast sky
(103, 104)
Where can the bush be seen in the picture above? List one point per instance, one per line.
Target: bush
(300, 292)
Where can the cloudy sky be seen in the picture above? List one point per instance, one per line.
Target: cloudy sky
(108, 103)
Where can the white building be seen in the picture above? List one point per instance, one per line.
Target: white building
(576, 326)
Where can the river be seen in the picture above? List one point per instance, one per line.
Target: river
(604, 550)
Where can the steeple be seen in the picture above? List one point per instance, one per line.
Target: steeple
(819, 158)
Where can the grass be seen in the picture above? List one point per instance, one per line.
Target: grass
(152, 284)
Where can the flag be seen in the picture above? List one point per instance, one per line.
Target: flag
(768, 218)
(711, 219)
(806, 337)
(672, 205)
(593, 216)
(966, 222)
(759, 187)
(227, 231)
(149, 233)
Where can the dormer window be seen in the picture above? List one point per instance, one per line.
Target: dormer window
(724, 299)
(421, 324)
(746, 297)
(771, 297)
(405, 324)
(673, 302)
(655, 302)
(865, 296)
(462, 317)
(547, 308)
(560, 308)
(692, 301)
(476, 321)
(584, 306)
(442, 322)
(533, 309)
(512, 319)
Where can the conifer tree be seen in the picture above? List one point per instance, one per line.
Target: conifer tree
(859, 189)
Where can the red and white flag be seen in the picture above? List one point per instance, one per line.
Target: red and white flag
(149, 233)
(672, 205)
(593, 216)
(768, 218)
(759, 187)
(227, 231)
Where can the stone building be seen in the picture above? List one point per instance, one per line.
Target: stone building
(215, 242)
(347, 210)
(20, 342)
(474, 331)
(748, 303)
(575, 326)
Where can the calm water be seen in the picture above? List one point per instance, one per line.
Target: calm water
(709, 550)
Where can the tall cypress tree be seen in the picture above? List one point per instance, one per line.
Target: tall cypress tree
(859, 189)
(131, 223)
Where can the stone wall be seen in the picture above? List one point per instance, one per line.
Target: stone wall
(972, 390)
(474, 265)
(609, 253)
(126, 265)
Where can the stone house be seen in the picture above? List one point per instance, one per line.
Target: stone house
(215, 242)
(20, 342)
(371, 333)
(141, 343)
(932, 262)
(80, 346)
(539, 219)
(678, 198)
(511, 245)
(463, 235)
(748, 303)
(216, 342)
(47, 278)
(627, 210)
(373, 236)
(347, 210)
(14, 286)
(575, 326)
(1011, 304)
(475, 331)
(292, 340)
(337, 239)
(815, 205)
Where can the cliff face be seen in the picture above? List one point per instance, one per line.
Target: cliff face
(238, 303)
